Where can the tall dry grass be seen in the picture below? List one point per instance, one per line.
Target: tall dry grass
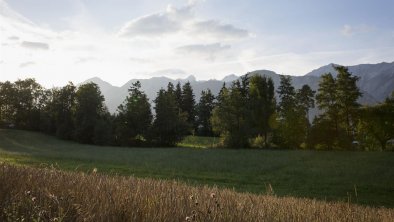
(31, 194)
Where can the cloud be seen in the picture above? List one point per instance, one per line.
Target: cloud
(85, 60)
(180, 20)
(170, 21)
(347, 30)
(150, 25)
(208, 51)
(81, 47)
(22, 65)
(140, 60)
(13, 38)
(217, 29)
(35, 45)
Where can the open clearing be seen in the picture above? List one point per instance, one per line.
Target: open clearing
(361, 177)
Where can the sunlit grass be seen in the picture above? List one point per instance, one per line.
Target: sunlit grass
(30, 194)
(199, 142)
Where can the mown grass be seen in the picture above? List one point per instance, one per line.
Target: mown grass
(30, 194)
(324, 175)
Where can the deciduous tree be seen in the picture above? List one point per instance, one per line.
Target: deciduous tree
(89, 109)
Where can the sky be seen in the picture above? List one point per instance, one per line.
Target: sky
(118, 40)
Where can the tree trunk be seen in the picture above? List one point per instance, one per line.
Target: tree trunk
(265, 139)
(383, 144)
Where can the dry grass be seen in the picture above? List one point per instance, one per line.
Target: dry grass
(30, 194)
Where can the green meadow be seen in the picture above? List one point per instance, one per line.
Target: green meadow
(359, 177)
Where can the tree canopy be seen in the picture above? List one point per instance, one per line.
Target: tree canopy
(245, 114)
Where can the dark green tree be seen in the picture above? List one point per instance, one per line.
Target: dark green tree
(222, 94)
(262, 106)
(170, 88)
(89, 110)
(291, 131)
(134, 117)
(305, 99)
(230, 116)
(204, 113)
(338, 100)
(7, 102)
(178, 94)
(28, 103)
(103, 129)
(327, 101)
(170, 125)
(347, 96)
(377, 124)
(322, 134)
(63, 110)
(47, 124)
(188, 105)
(286, 93)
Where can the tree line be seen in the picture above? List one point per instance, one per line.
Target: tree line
(247, 113)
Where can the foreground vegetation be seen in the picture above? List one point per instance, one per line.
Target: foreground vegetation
(324, 175)
(52, 195)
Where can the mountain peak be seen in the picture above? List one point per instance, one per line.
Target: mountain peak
(191, 78)
(322, 70)
(230, 78)
(101, 83)
(94, 79)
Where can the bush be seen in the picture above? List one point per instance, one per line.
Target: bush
(257, 142)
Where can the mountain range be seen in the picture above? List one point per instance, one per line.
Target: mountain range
(376, 83)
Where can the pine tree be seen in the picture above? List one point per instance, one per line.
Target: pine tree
(292, 120)
(338, 100)
(169, 125)
(204, 113)
(305, 99)
(188, 105)
(178, 94)
(347, 95)
(134, 116)
(262, 106)
(229, 118)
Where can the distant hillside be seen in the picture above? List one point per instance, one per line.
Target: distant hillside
(114, 95)
(376, 82)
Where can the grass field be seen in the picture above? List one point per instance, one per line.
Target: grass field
(31, 194)
(363, 177)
